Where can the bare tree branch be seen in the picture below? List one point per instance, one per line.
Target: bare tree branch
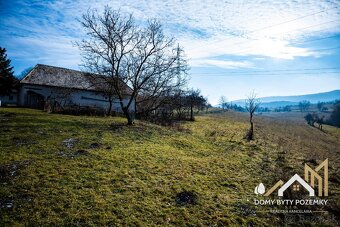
(133, 61)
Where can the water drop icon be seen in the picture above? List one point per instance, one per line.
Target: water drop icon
(260, 189)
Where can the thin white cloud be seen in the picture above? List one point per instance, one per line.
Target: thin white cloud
(206, 29)
(220, 63)
(235, 22)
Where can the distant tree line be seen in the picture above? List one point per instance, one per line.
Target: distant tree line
(312, 118)
(334, 119)
(303, 106)
(287, 108)
(321, 106)
(225, 105)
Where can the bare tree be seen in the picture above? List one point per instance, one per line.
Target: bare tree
(134, 62)
(320, 106)
(304, 105)
(195, 100)
(159, 91)
(25, 72)
(223, 102)
(310, 119)
(252, 104)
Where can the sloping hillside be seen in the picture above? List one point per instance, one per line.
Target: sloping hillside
(79, 170)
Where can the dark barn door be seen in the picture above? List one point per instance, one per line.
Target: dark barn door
(35, 100)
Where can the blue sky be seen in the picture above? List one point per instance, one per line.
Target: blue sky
(283, 47)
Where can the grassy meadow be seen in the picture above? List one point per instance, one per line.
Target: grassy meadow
(96, 171)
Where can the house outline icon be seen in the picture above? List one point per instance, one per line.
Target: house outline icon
(297, 178)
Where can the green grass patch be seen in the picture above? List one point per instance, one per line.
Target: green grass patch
(81, 170)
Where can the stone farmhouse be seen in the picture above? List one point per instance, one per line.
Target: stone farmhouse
(46, 84)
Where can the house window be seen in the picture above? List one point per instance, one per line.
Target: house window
(296, 187)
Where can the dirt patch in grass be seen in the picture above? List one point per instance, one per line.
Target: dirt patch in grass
(81, 152)
(117, 126)
(245, 210)
(22, 141)
(186, 198)
(70, 143)
(94, 145)
(10, 171)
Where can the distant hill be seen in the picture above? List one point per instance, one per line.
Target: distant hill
(278, 104)
(277, 101)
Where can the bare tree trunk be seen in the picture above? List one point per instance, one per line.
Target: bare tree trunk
(250, 134)
(110, 108)
(128, 116)
(191, 113)
(251, 130)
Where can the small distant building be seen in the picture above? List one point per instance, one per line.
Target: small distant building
(46, 84)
